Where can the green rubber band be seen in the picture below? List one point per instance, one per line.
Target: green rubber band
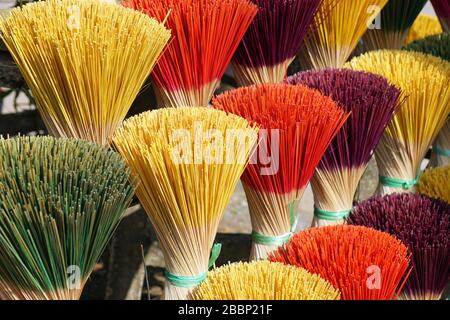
(194, 281)
(266, 240)
(185, 281)
(331, 215)
(398, 183)
(271, 240)
(441, 152)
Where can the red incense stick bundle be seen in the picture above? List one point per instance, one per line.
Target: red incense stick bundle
(206, 35)
(363, 263)
(297, 125)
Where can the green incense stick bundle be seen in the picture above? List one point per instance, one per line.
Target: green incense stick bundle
(60, 201)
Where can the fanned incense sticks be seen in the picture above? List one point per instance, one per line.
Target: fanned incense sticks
(438, 46)
(424, 81)
(372, 103)
(297, 126)
(442, 8)
(396, 19)
(60, 201)
(421, 223)
(423, 27)
(434, 183)
(188, 161)
(264, 280)
(273, 40)
(337, 33)
(206, 35)
(362, 263)
(84, 60)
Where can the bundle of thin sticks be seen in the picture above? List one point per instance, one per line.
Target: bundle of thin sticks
(372, 102)
(442, 8)
(297, 125)
(188, 161)
(422, 224)
(60, 202)
(206, 35)
(395, 20)
(264, 280)
(273, 40)
(84, 61)
(337, 33)
(438, 46)
(362, 263)
(434, 183)
(423, 27)
(424, 80)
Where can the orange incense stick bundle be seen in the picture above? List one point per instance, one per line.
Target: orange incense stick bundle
(206, 35)
(362, 263)
(297, 125)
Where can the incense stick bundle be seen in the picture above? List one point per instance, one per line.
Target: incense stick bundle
(362, 263)
(396, 19)
(434, 183)
(421, 223)
(372, 102)
(273, 40)
(424, 80)
(84, 61)
(438, 46)
(338, 32)
(442, 8)
(297, 125)
(424, 26)
(206, 35)
(264, 280)
(60, 202)
(188, 161)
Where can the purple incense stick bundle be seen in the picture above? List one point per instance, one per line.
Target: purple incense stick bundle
(442, 8)
(373, 103)
(422, 224)
(273, 40)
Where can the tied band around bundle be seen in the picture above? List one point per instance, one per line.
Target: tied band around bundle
(194, 281)
(441, 152)
(331, 215)
(399, 183)
(266, 240)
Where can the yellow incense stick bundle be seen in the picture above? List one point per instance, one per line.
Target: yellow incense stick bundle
(424, 81)
(434, 183)
(337, 33)
(188, 161)
(264, 280)
(84, 61)
(423, 27)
